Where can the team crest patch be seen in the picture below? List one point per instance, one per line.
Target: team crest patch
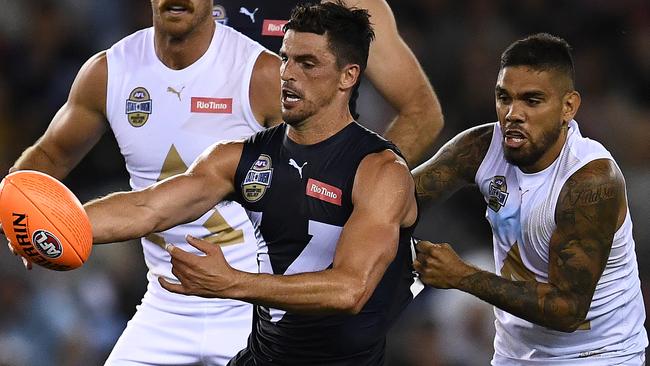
(258, 179)
(138, 107)
(219, 14)
(497, 193)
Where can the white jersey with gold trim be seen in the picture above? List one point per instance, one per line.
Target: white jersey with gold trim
(163, 119)
(521, 212)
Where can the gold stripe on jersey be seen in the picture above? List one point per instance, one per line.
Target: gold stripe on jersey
(173, 165)
(514, 268)
(221, 232)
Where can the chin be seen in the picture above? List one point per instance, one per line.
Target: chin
(293, 122)
(521, 159)
(176, 29)
(292, 119)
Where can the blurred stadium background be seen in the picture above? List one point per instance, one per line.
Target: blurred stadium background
(65, 319)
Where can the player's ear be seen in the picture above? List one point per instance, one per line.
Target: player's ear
(570, 105)
(349, 76)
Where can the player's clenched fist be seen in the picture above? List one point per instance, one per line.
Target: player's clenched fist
(439, 265)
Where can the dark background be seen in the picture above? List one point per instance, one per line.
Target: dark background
(73, 318)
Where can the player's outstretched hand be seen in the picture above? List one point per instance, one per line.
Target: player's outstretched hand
(439, 265)
(205, 276)
(27, 264)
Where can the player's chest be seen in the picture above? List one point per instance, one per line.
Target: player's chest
(289, 185)
(513, 203)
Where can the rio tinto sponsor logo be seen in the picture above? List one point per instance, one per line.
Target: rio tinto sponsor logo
(273, 27)
(211, 105)
(323, 191)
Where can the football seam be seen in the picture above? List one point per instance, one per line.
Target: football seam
(74, 250)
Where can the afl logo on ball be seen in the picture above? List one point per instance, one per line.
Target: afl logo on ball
(138, 107)
(47, 244)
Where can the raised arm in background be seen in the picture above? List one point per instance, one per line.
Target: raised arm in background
(396, 73)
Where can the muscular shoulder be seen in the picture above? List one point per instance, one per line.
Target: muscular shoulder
(384, 162)
(219, 159)
(265, 89)
(462, 154)
(597, 186)
(454, 165)
(383, 180)
(468, 149)
(89, 87)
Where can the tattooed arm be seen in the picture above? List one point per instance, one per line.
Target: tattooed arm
(453, 166)
(590, 208)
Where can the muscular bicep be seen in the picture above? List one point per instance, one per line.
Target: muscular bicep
(384, 201)
(187, 196)
(590, 208)
(76, 127)
(453, 166)
(182, 198)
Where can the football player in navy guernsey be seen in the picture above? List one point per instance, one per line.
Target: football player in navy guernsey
(333, 203)
(392, 68)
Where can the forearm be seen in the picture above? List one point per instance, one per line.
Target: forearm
(415, 129)
(324, 292)
(115, 218)
(536, 302)
(37, 158)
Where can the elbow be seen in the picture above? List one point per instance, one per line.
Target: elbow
(431, 112)
(437, 120)
(570, 324)
(152, 223)
(352, 299)
(570, 321)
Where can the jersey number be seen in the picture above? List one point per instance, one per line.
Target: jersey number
(317, 255)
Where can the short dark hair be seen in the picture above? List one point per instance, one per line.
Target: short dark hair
(348, 30)
(541, 51)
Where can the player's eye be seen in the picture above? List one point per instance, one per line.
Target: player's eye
(503, 98)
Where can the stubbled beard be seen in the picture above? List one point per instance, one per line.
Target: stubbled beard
(533, 151)
(295, 118)
(293, 121)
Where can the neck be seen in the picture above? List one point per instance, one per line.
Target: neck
(320, 127)
(180, 52)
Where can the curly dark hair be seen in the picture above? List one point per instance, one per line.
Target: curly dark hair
(349, 30)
